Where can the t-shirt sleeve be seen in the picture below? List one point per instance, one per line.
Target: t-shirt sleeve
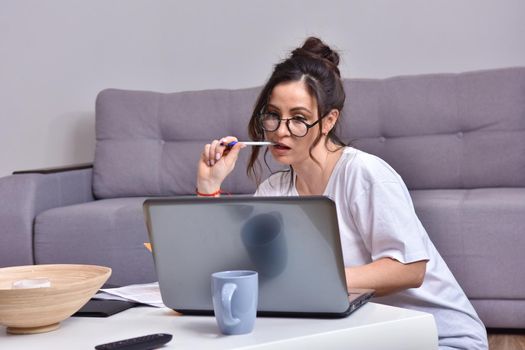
(386, 219)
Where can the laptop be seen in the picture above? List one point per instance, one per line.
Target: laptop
(292, 242)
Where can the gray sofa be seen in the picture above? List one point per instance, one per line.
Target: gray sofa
(458, 140)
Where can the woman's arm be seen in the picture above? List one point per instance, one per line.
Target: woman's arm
(386, 276)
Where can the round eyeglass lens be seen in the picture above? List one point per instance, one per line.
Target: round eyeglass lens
(297, 127)
(270, 122)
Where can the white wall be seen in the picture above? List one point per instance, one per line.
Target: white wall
(56, 55)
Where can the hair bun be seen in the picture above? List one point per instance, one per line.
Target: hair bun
(315, 48)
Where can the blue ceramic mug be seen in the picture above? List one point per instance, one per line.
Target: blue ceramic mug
(235, 295)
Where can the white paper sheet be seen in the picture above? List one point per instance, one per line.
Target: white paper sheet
(148, 293)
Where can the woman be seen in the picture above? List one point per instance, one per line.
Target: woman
(385, 247)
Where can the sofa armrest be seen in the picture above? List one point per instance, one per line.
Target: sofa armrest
(55, 169)
(24, 195)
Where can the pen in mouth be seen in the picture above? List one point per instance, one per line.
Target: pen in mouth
(249, 143)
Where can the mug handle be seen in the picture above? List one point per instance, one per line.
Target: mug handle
(226, 300)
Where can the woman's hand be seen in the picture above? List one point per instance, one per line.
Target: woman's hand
(216, 162)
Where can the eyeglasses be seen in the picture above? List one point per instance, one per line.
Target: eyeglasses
(296, 126)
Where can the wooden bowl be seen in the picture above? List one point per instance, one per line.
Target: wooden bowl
(38, 310)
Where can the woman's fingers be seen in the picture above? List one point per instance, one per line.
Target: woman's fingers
(212, 154)
(217, 149)
(226, 140)
(233, 154)
(205, 154)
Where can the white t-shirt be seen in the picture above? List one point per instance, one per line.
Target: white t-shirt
(377, 219)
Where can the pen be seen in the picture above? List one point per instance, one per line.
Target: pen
(249, 143)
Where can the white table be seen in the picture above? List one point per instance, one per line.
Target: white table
(374, 326)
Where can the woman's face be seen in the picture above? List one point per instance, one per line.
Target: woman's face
(292, 100)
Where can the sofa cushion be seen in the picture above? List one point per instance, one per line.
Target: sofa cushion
(479, 233)
(501, 313)
(108, 232)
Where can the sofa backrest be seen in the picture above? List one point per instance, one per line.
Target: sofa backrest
(438, 131)
(149, 143)
(444, 130)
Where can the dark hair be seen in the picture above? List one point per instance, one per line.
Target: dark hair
(316, 64)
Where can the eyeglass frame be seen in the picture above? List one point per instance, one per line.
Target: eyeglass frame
(287, 120)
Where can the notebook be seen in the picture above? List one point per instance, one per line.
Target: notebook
(292, 242)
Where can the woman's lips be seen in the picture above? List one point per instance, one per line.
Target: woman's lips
(280, 146)
(280, 149)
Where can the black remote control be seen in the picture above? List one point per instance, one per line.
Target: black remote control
(150, 341)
